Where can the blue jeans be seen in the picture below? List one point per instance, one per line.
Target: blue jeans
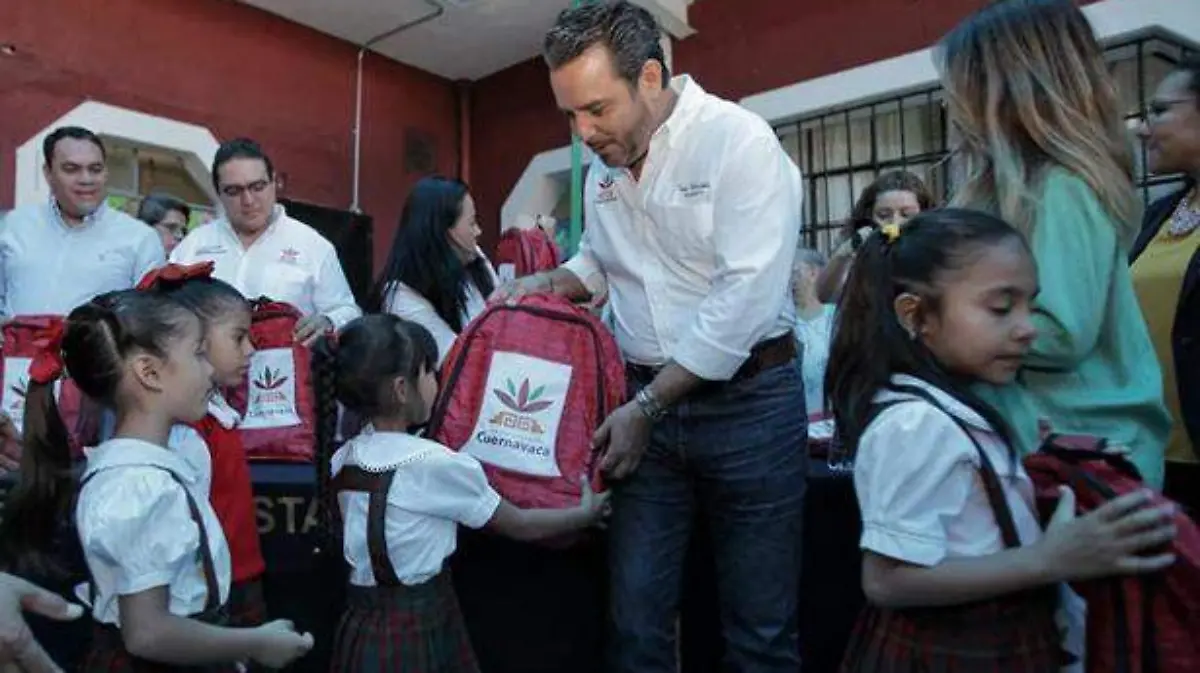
(737, 453)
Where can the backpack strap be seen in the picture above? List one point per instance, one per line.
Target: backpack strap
(212, 601)
(987, 472)
(377, 484)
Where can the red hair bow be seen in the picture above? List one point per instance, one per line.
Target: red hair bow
(47, 366)
(175, 273)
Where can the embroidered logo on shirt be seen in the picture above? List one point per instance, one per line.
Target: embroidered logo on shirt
(290, 256)
(608, 191)
(693, 190)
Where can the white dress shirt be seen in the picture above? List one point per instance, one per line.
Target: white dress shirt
(137, 530)
(48, 267)
(404, 302)
(696, 254)
(435, 489)
(289, 262)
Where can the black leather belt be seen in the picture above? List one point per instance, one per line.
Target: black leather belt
(765, 355)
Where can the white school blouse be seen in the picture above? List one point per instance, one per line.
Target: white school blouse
(434, 490)
(137, 531)
(190, 445)
(917, 480)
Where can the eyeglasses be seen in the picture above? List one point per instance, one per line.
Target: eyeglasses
(1156, 109)
(236, 191)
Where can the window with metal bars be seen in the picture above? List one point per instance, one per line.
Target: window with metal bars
(843, 151)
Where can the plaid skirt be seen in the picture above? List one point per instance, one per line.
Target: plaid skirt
(246, 604)
(107, 653)
(1014, 634)
(404, 629)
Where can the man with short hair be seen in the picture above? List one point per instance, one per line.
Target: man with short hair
(692, 210)
(261, 251)
(58, 255)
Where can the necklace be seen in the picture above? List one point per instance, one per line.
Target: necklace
(1185, 219)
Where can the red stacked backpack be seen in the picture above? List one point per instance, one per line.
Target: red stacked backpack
(22, 341)
(1140, 623)
(523, 389)
(276, 402)
(524, 252)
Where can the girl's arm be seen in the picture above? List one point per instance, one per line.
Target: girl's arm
(832, 277)
(1111, 540)
(151, 632)
(529, 525)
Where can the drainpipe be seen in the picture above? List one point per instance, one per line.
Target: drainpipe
(463, 89)
(575, 232)
(437, 10)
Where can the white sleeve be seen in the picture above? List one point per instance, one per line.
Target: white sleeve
(140, 527)
(405, 303)
(913, 470)
(447, 485)
(149, 255)
(332, 296)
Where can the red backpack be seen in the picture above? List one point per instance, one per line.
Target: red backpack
(523, 389)
(524, 252)
(1140, 623)
(23, 339)
(276, 402)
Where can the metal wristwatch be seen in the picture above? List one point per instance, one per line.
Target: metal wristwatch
(649, 405)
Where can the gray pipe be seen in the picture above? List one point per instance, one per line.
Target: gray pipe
(438, 10)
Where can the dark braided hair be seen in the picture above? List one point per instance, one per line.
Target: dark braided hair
(324, 370)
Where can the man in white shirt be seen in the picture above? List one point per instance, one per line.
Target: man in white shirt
(58, 255)
(692, 219)
(261, 251)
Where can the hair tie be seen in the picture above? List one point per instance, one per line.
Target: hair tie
(175, 273)
(890, 232)
(47, 366)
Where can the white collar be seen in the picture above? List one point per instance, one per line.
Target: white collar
(226, 415)
(127, 452)
(948, 403)
(381, 451)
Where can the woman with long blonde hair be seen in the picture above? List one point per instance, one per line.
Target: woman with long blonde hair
(1042, 144)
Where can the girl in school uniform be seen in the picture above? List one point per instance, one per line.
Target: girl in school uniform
(215, 438)
(957, 570)
(159, 563)
(402, 499)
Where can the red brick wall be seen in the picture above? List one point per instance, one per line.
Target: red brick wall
(741, 47)
(233, 69)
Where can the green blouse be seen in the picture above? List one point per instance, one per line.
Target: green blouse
(1092, 369)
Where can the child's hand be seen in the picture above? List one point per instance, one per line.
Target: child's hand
(1111, 540)
(280, 644)
(594, 506)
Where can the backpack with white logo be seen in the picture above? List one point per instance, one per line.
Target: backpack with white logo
(276, 402)
(523, 389)
(524, 252)
(23, 340)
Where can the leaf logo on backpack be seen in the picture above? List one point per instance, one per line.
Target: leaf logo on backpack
(270, 379)
(521, 407)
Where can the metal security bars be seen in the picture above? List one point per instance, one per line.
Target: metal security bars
(843, 151)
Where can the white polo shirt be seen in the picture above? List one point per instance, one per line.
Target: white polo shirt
(48, 267)
(697, 254)
(290, 262)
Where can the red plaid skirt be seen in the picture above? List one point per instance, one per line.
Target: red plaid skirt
(403, 629)
(246, 604)
(107, 653)
(1008, 635)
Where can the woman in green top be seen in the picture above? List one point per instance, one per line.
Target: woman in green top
(1042, 144)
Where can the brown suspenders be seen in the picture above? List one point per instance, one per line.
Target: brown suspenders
(213, 601)
(377, 484)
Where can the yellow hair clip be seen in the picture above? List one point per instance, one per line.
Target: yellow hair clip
(891, 232)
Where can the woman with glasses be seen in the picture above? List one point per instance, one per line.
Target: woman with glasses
(167, 215)
(1166, 270)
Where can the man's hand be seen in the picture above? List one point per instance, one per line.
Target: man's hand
(10, 445)
(515, 289)
(17, 645)
(311, 328)
(623, 437)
